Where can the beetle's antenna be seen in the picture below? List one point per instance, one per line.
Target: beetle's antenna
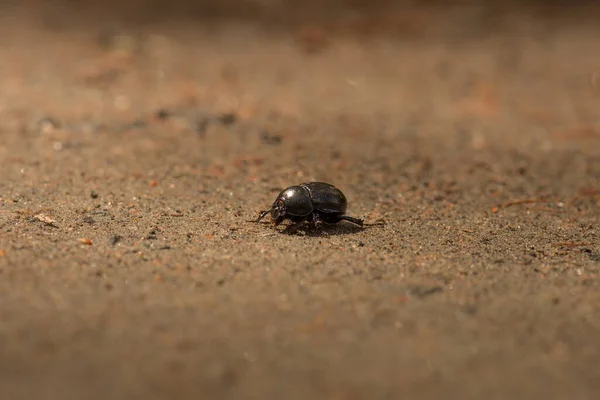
(262, 215)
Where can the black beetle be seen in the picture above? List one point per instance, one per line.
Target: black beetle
(313, 202)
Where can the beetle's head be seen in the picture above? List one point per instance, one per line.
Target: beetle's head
(278, 211)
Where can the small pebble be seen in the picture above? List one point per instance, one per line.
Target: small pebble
(48, 125)
(271, 139)
(162, 114)
(227, 119)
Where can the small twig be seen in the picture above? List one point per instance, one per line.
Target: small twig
(377, 222)
(589, 192)
(571, 244)
(547, 209)
(495, 209)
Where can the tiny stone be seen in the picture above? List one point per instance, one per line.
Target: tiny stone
(114, 240)
(48, 125)
(271, 139)
(227, 119)
(162, 114)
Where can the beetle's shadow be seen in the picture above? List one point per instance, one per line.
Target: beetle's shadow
(323, 230)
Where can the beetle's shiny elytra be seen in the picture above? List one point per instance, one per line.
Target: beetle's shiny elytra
(313, 202)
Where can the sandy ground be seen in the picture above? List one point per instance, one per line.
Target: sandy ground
(132, 160)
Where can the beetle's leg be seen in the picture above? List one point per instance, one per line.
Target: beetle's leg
(293, 228)
(262, 215)
(356, 221)
(296, 224)
(317, 221)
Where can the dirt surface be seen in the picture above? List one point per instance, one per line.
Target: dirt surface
(133, 159)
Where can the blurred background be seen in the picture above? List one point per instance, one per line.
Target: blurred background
(361, 16)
